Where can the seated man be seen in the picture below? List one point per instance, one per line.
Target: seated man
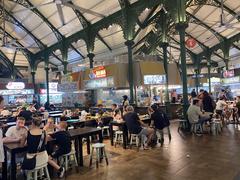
(135, 126)
(16, 133)
(194, 113)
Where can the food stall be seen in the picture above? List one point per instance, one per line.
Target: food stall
(55, 97)
(17, 93)
(72, 95)
(108, 83)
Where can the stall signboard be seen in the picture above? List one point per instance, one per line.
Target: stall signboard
(53, 88)
(16, 92)
(228, 73)
(67, 87)
(98, 72)
(231, 80)
(154, 79)
(99, 83)
(199, 76)
(15, 85)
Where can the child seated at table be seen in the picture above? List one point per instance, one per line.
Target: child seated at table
(50, 126)
(63, 140)
(99, 119)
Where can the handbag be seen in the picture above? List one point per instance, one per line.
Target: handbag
(30, 163)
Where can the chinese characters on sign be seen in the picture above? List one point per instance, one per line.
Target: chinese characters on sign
(98, 72)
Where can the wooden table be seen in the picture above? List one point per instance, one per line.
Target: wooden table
(121, 125)
(77, 134)
(52, 112)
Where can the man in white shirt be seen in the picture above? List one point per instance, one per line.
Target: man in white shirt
(194, 113)
(16, 133)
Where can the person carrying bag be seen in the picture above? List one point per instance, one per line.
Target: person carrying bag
(30, 163)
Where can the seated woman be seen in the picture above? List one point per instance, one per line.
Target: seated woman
(50, 126)
(33, 140)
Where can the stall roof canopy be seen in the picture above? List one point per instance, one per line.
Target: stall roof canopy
(35, 25)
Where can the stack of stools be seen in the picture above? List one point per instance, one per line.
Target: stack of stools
(38, 173)
(118, 138)
(100, 153)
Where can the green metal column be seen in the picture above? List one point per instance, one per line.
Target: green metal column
(208, 56)
(181, 28)
(91, 56)
(196, 79)
(165, 61)
(33, 73)
(47, 75)
(65, 71)
(209, 78)
(64, 52)
(129, 44)
(226, 50)
(47, 82)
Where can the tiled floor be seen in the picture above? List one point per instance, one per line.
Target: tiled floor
(210, 158)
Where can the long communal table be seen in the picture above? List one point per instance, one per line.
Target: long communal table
(76, 134)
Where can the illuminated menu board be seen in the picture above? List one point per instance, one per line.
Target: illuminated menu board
(154, 79)
(99, 83)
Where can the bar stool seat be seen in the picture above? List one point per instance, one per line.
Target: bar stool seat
(118, 138)
(196, 127)
(67, 158)
(100, 153)
(38, 173)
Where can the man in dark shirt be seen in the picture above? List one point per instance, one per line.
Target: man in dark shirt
(135, 126)
(63, 140)
(159, 118)
(26, 114)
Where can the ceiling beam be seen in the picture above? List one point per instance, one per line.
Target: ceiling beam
(10, 64)
(85, 24)
(139, 6)
(217, 34)
(27, 4)
(204, 47)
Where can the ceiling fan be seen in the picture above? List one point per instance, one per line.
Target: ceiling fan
(225, 23)
(59, 4)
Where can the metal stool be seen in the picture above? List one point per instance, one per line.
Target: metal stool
(66, 158)
(195, 127)
(160, 135)
(182, 124)
(100, 153)
(38, 173)
(134, 140)
(105, 128)
(118, 138)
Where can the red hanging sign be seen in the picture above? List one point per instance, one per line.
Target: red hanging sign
(191, 43)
